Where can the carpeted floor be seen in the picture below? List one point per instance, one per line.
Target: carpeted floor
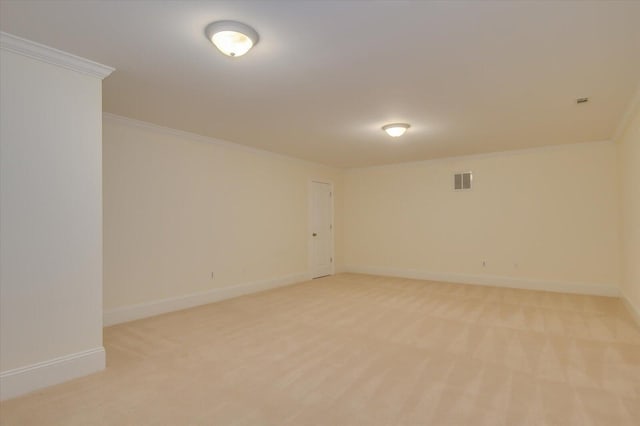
(362, 350)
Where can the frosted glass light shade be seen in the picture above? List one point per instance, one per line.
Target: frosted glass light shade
(395, 129)
(231, 38)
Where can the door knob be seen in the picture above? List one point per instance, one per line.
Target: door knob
(314, 234)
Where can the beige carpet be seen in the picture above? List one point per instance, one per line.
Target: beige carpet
(362, 350)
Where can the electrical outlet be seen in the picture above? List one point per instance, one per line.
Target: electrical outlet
(213, 277)
(484, 263)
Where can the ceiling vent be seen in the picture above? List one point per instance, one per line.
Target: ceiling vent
(462, 181)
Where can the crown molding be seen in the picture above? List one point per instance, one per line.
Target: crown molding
(52, 56)
(132, 122)
(493, 154)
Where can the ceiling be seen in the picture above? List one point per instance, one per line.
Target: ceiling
(470, 77)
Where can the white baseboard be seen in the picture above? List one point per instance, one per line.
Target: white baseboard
(492, 280)
(23, 380)
(633, 310)
(157, 307)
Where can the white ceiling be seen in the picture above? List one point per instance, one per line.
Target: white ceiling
(470, 77)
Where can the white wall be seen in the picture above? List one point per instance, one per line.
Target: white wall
(50, 221)
(629, 165)
(178, 207)
(541, 218)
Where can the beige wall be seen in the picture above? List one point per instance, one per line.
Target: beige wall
(178, 207)
(50, 220)
(541, 218)
(629, 166)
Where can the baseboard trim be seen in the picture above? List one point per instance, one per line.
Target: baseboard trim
(23, 380)
(633, 310)
(157, 307)
(492, 280)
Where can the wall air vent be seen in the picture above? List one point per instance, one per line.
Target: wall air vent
(462, 181)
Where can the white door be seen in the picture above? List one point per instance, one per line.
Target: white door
(320, 229)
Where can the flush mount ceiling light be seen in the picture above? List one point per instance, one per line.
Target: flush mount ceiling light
(231, 38)
(395, 129)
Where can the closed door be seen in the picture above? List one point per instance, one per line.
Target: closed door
(321, 229)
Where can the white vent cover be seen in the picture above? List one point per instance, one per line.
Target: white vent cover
(462, 181)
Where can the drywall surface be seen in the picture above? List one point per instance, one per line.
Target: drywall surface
(543, 218)
(51, 224)
(629, 166)
(186, 217)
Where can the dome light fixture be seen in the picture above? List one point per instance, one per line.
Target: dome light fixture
(395, 129)
(231, 38)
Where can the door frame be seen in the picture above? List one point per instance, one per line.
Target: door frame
(309, 231)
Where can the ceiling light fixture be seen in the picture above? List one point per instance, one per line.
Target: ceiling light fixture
(231, 38)
(395, 129)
